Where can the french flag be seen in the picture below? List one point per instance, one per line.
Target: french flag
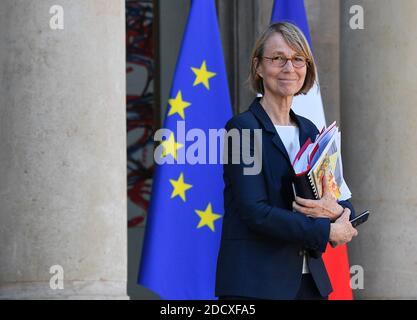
(311, 107)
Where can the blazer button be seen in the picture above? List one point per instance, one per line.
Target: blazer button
(301, 252)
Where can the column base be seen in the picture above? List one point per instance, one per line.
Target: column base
(73, 290)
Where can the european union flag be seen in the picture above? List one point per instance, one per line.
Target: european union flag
(185, 216)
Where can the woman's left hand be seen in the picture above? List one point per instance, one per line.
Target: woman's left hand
(326, 207)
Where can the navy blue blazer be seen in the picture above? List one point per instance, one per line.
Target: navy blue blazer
(263, 240)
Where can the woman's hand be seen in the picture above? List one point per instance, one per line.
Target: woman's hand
(341, 231)
(326, 207)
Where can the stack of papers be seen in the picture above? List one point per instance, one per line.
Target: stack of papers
(324, 153)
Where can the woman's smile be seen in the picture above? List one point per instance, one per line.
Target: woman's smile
(288, 80)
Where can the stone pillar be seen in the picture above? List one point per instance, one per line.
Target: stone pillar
(324, 22)
(63, 150)
(238, 22)
(378, 98)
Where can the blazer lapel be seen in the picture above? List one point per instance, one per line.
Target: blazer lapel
(259, 112)
(304, 134)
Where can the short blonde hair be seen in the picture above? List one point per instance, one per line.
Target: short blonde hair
(295, 38)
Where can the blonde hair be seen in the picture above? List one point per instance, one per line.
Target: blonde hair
(295, 38)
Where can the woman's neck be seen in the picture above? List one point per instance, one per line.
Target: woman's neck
(278, 109)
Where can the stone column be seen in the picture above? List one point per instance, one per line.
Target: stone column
(324, 21)
(62, 150)
(378, 98)
(238, 21)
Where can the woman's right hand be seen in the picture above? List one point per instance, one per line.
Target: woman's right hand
(341, 231)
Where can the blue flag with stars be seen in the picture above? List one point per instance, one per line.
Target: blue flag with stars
(184, 220)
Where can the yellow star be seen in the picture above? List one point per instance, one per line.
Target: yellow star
(207, 217)
(179, 187)
(202, 75)
(170, 146)
(178, 105)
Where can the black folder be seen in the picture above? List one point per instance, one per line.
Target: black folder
(304, 187)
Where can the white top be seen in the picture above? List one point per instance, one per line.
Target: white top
(290, 137)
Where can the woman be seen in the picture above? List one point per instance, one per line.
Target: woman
(270, 240)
